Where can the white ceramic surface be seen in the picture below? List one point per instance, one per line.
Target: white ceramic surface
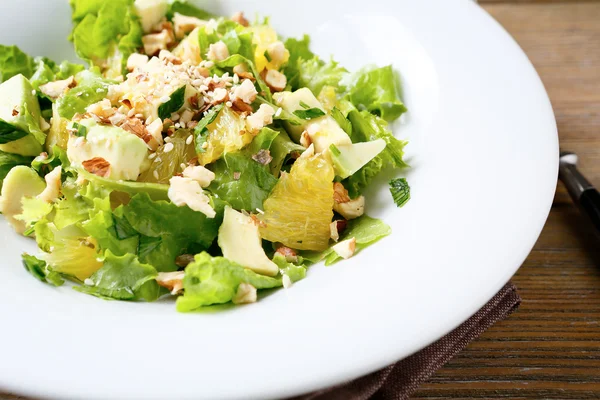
(485, 153)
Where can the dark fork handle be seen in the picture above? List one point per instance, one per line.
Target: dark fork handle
(590, 203)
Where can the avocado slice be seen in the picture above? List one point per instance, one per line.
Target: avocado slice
(240, 241)
(20, 182)
(323, 131)
(20, 110)
(348, 159)
(126, 153)
(150, 12)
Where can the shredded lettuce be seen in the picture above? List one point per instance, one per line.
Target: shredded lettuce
(215, 280)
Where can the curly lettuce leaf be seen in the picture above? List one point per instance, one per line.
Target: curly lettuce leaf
(41, 271)
(283, 149)
(316, 74)
(241, 181)
(376, 90)
(294, 271)
(365, 230)
(13, 62)
(368, 127)
(105, 33)
(123, 278)
(215, 280)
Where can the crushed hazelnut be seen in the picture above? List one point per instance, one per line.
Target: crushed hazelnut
(351, 209)
(275, 80)
(346, 248)
(172, 281)
(239, 18)
(184, 24)
(340, 194)
(155, 42)
(245, 294)
(289, 254)
(97, 166)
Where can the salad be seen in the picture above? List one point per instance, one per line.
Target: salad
(194, 155)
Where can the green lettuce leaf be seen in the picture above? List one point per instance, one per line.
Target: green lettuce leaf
(293, 271)
(105, 33)
(123, 278)
(185, 8)
(376, 90)
(47, 71)
(368, 127)
(242, 182)
(14, 62)
(299, 50)
(215, 280)
(316, 74)
(91, 88)
(283, 150)
(365, 230)
(41, 271)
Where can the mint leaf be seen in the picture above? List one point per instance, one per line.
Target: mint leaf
(173, 105)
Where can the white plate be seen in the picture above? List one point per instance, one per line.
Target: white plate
(485, 154)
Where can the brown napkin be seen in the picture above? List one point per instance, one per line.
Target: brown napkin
(399, 381)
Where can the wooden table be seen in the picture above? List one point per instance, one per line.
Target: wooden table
(549, 348)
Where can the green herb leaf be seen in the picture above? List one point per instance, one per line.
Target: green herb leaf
(10, 133)
(310, 113)
(173, 105)
(201, 130)
(400, 191)
(41, 270)
(79, 130)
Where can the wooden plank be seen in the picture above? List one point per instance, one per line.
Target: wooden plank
(550, 348)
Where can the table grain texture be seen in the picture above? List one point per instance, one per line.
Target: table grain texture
(550, 347)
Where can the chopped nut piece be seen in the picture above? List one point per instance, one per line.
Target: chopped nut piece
(263, 157)
(305, 139)
(220, 95)
(351, 209)
(172, 281)
(97, 166)
(240, 69)
(53, 185)
(166, 55)
(15, 112)
(246, 293)
(155, 130)
(236, 176)
(275, 80)
(156, 42)
(241, 107)
(245, 92)
(56, 89)
(289, 254)
(277, 52)
(185, 24)
(218, 51)
(136, 127)
(346, 248)
(261, 118)
(239, 18)
(200, 174)
(333, 230)
(188, 192)
(136, 60)
(340, 194)
(184, 260)
(309, 152)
